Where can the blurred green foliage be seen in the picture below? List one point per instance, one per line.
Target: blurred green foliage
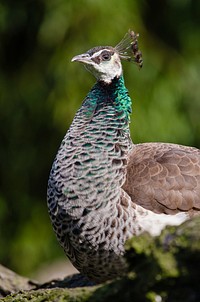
(40, 91)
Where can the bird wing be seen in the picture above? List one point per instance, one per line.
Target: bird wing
(164, 178)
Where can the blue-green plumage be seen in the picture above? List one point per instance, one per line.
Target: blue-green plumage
(93, 152)
(95, 147)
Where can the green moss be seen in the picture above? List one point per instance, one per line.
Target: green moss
(50, 295)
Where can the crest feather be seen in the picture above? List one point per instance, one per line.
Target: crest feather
(128, 49)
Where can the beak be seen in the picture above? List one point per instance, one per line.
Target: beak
(83, 58)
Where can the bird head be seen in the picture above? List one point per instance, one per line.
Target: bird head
(104, 62)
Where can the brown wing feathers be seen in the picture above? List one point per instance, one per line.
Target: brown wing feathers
(164, 178)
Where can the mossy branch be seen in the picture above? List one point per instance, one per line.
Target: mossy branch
(164, 268)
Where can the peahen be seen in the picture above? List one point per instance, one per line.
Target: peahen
(102, 188)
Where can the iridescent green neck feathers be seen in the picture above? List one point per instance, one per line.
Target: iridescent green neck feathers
(112, 97)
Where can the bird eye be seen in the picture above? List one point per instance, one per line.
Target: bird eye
(105, 56)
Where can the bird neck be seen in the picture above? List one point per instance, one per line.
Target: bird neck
(113, 95)
(95, 149)
(107, 107)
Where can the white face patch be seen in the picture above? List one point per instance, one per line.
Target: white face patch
(105, 68)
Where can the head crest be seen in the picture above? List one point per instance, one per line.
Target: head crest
(128, 49)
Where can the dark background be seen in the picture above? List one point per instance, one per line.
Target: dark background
(40, 91)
